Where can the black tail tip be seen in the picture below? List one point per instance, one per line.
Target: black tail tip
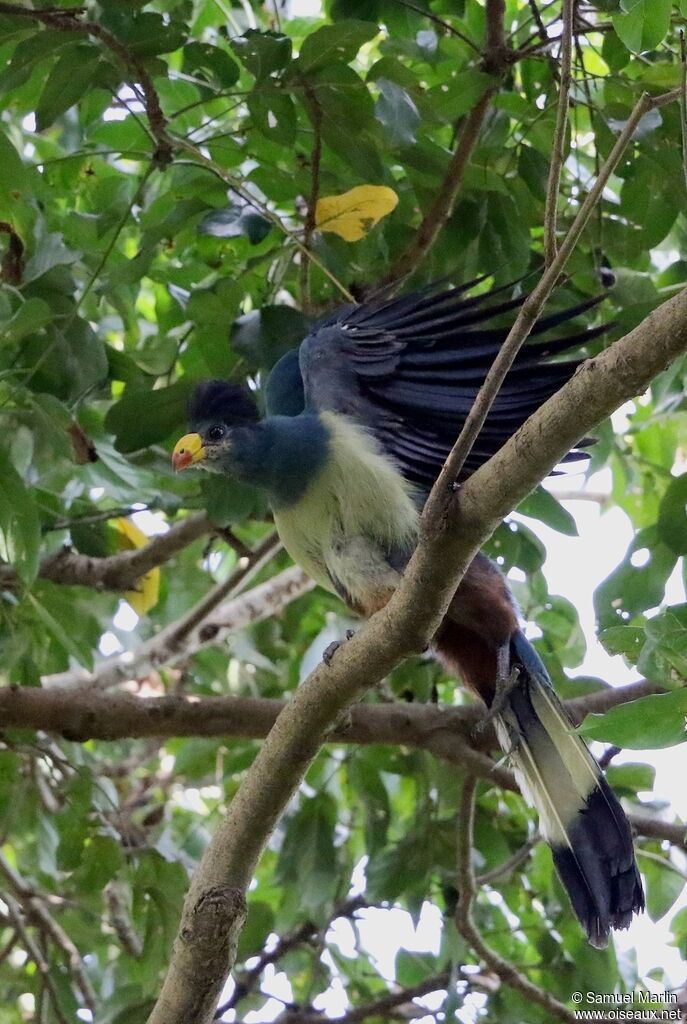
(598, 868)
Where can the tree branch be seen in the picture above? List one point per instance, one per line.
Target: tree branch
(195, 631)
(121, 571)
(558, 152)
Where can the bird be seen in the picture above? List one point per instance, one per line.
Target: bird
(359, 419)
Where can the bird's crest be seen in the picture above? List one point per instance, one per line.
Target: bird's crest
(220, 401)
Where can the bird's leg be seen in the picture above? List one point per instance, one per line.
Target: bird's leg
(331, 649)
(506, 680)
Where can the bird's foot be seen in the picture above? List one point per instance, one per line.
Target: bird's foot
(506, 680)
(331, 649)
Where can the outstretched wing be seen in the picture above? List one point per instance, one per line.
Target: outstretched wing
(409, 369)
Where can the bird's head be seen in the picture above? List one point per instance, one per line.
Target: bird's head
(215, 411)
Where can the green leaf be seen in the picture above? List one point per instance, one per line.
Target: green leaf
(259, 924)
(664, 883)
(541, 504)
(333, 43)
(645, 724)
(229, 501)
(633, 777)
(29, 52)
(643, 23)
(263, 336)
(31, 316)
(461, 93)
(13, 177)
(274, 114)
(142, 418)
(66, 83)
(672, 519)
(625, 640)
(396, 111)
(233, 222)
(308, 855)
(20, 531)
(262, 53)
(631, 589)
(211, 62)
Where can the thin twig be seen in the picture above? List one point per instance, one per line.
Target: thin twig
(526, 319)
(445, 25)
(467, 890)
(683, 102)
(558, 151)
(246, 982)
(315, 111)
(513, 862)
(538, 21)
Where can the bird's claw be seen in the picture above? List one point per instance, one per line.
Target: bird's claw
(506, 680)
(331, 649)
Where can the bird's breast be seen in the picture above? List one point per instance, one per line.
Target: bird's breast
(356, 523)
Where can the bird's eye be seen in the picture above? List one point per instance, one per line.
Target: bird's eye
(215, 433)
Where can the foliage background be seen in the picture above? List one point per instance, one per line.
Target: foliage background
(126, 278)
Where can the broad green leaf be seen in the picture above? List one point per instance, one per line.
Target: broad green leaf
(262, 53)
(541, 504)
(211, 62)
(228, 501)
(14, 175)
(642, 24)
(19, 524)
(397, 112)
(664, 883)
(274, 115)
(672, 519)
(66, 83)
(332, 43)
(142, 418)
(353, 214)
(650, 722)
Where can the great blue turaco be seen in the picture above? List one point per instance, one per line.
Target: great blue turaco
(359, 420)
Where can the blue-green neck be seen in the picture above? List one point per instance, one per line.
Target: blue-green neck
(282, 454)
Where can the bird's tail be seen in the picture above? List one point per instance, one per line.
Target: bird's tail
(580, 816)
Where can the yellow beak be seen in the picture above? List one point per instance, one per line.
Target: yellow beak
(188, 451)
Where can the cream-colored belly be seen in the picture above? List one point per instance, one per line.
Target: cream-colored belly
(354, 511)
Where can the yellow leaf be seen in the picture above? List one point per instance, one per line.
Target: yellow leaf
(147, 592)
(354, 213)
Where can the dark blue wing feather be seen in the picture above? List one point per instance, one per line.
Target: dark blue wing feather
(409, 370)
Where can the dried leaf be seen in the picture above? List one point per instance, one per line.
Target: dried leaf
(147, 592)
(353, 214)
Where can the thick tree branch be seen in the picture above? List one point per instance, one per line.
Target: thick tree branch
(205, 946)
(86, 714)
(446, 733)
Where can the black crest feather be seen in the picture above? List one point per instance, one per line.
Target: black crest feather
(216, 401)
